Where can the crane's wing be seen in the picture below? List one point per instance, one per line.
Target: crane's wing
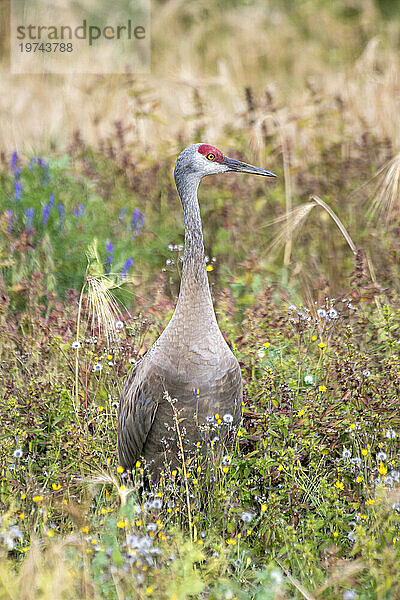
(136, 415)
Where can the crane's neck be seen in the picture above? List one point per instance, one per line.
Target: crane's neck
(194, 295)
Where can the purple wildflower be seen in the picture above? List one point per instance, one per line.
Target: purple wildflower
(78, 211)
(109, 247)
(9, 215)
(45, 168)
(29, 212)
(51, 200)
(46, 213)
(137, 219)
(137, 222)
(14, 161)
(122, 214)
(61, 213)
(108, 264)
(127, 266)
(17, 189)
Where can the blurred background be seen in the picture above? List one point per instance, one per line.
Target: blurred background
(307, 89)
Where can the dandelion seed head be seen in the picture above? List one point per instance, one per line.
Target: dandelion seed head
(349, 594)
(246, 517)
(228, 418)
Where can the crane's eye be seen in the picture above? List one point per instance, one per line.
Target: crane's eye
(210, 156)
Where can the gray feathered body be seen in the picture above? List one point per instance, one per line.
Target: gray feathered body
(190, 361)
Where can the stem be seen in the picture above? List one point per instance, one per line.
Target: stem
(78, 325)
(338, 222)
(288, 187)
(288, 195)
(350, 242)
(178, 431)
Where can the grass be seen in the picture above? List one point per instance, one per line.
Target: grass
(305, 503)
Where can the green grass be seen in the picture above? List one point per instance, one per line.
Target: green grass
(305, 505)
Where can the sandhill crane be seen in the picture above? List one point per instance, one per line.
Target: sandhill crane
(190, 360)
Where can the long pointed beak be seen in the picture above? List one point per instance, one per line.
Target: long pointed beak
(241, 167)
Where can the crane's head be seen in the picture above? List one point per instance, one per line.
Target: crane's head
(203, 159)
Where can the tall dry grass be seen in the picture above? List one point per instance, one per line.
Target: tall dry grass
(199, 72)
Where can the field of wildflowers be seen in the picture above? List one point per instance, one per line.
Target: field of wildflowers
(304, 272)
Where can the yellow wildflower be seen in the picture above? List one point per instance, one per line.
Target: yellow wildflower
(382, 469)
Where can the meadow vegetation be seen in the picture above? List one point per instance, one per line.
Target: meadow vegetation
(305, 279)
